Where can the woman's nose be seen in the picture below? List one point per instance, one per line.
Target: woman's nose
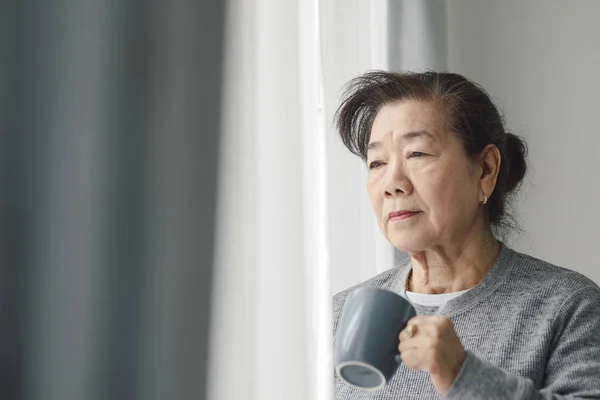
(396, 182)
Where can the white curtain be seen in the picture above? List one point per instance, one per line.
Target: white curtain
(293, 211)
(271, 323)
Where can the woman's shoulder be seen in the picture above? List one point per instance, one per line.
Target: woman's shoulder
(534, 272)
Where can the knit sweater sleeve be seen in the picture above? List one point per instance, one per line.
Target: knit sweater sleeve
(573, 366)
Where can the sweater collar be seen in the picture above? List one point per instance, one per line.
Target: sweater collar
(497, 275)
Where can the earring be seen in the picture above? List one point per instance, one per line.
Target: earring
(485, 199)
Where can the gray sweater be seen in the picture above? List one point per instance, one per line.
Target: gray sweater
(531, 331)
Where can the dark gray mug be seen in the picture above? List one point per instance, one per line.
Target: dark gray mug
(366, 341)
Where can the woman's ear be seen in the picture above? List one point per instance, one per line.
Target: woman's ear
(490, 160)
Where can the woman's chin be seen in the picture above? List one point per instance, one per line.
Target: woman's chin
(410, 244)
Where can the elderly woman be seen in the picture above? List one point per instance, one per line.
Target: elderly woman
(491, 323)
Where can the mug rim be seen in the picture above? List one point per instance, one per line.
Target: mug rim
(377, 289)
(343, 364)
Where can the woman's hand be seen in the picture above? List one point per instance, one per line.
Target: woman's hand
(435, 348)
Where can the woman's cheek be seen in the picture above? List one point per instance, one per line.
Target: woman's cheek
(376, 201)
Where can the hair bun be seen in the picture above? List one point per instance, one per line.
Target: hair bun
(516, 152)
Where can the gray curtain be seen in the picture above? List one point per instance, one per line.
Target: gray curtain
(109, 122)
(417, 32)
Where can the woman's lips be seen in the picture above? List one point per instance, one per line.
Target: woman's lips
(395, 216)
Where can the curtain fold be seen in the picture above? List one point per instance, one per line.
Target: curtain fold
(271, 327)
(109, 130)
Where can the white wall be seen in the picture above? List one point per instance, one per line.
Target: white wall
(539, 59)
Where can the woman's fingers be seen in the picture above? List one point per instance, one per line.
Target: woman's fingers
(432, 345)
(415, 327)
(410, 357)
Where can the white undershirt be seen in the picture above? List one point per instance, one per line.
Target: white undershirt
(433, 300)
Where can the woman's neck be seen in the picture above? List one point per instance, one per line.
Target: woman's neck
(446, 269)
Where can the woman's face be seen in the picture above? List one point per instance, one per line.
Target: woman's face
(424, 188)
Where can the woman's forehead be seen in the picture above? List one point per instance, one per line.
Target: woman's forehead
(408, 120)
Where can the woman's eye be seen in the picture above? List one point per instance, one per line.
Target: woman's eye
(375, 164)
(415, 154)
